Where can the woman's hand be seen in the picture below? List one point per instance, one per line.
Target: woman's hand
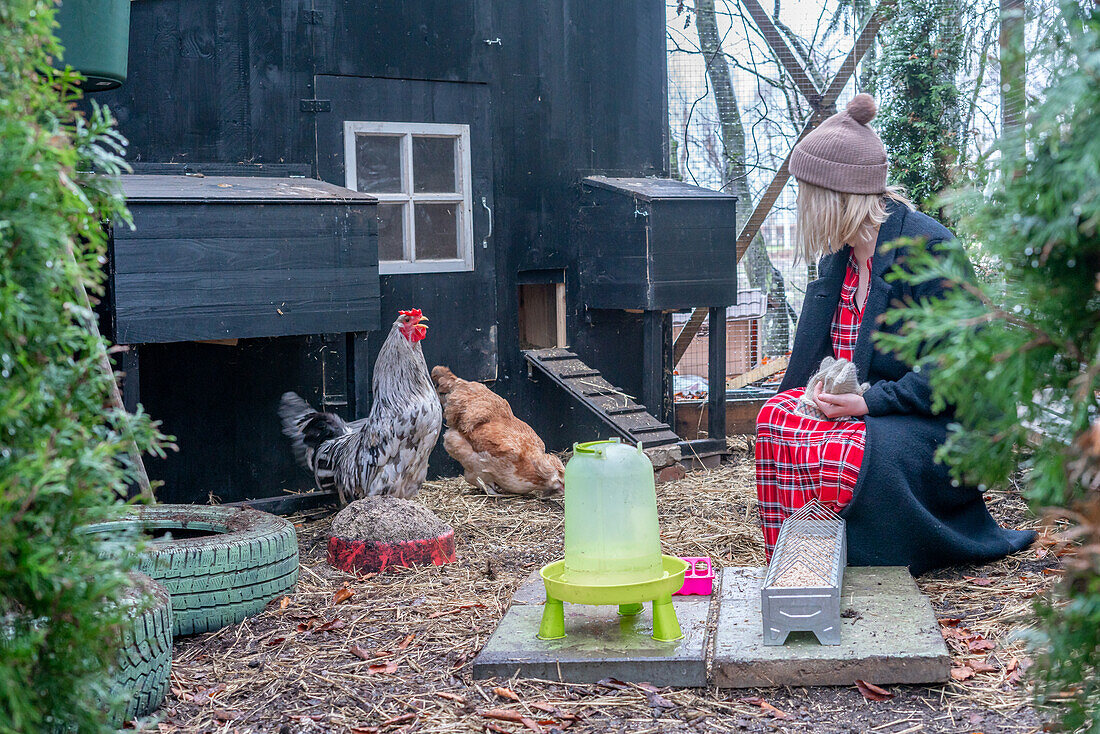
(848, 405)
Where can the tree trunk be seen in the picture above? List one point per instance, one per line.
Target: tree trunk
(1013, 67)
(759, 269)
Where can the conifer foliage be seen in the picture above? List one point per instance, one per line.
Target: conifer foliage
(923, 49)
(62, 445)
(1020, 355)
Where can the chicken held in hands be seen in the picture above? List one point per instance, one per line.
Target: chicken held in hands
(386, 453)
(499, 452)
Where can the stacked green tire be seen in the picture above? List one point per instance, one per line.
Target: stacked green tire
(219, 564)
(140, 677)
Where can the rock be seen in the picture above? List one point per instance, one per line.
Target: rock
(671, 473)
(387, 520)
(662, 456)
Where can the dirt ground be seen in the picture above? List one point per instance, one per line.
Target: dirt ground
(392, 653)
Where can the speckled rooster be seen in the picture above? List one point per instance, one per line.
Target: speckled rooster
(385, 453)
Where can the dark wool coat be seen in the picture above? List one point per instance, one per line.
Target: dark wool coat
(904, 511)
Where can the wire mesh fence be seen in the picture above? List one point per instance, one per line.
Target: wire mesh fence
(735, 112)
(769, 114)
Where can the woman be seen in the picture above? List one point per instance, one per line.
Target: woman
(872, 459)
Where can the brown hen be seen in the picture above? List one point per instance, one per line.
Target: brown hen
(499, 452)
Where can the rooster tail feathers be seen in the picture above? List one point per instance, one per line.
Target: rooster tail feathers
(320, 427)
(307, 428)
(292, 411)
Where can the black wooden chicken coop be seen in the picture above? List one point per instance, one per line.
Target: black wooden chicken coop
(303, 170)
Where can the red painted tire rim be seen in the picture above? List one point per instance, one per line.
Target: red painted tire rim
(366, 556)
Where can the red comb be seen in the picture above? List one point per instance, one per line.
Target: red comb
(413, 313)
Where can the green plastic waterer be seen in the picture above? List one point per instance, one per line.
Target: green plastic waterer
(612, 546)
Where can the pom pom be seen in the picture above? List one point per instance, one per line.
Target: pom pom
(862, 108)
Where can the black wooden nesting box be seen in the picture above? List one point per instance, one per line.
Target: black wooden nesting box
(281, 274)
(225, 257)
(656, 244)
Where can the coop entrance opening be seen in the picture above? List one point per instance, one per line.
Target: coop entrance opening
(542, 309)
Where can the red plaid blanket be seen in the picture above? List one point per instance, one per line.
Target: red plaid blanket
(799, 458)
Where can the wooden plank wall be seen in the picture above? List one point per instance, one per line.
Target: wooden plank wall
(564, 89)
(214, 271)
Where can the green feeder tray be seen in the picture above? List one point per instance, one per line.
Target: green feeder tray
(628, 597)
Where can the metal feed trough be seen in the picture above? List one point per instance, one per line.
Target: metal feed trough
(801, 590)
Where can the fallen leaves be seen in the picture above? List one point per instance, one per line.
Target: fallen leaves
(872, 692)
(767, 707)
(1016, 669)
(364, 654)
(962, 673)
(402, 719)
(342, 595)
(513, 716)
(332, 625)
(979, 644)
(1013, 671)
(206, 694)
(979, 581)
(305, 718)
(564, 720)
(507, 693)
(382, 668)
(965, 640)
(981, 666)
(657, 701)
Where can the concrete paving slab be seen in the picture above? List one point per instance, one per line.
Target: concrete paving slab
(598, 644)
(893, 636)
(531, 591)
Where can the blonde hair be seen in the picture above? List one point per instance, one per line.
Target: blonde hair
(826, 220)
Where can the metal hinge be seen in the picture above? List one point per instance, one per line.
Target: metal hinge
(313, 17)
(315, 105)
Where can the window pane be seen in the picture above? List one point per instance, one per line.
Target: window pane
(436, 231)
(391, 231)
(434, 165)
(378, 163)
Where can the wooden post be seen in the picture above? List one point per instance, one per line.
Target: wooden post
(359, 374)
(335, 393)
(669, 413)
(131, 378)
(653, 363)
(716, 375)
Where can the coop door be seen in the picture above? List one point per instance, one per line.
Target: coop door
(541, 315)
(424, 150)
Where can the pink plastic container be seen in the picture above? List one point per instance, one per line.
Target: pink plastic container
(698, 579)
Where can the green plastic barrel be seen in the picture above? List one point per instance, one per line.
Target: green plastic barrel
(96, 37)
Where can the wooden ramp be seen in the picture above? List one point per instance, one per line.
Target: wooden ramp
(628, 419)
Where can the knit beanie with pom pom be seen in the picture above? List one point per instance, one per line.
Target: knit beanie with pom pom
(843, 153)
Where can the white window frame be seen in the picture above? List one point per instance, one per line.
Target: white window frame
(463, 197)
